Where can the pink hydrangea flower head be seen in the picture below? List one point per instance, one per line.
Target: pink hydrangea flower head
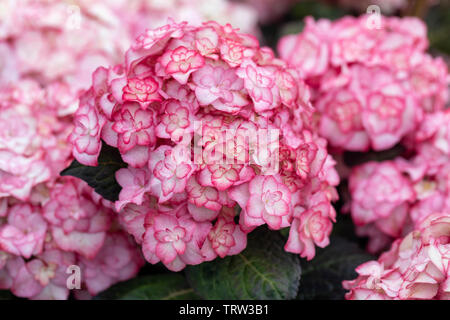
(371, 86)
(54, 41)
(416, 267)
(199, 114)
(403, 192)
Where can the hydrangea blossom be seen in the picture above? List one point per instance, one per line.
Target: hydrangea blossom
(217, 124)
(49, 223)
(416, 267)
(371, 86)
(390, 198)
(59, 41)
(32, 138)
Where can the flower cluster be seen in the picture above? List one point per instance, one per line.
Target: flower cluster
(51, 223)
(416, 267)
(403, 192)
(212, 126)
(373, 85)
(60, 41)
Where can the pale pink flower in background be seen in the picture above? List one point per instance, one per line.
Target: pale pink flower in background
(9, 267)
(52, 42)
(371, 86)
(44, 277)
(403, 192)
(24, 233)
(416, 267)
(341, 120)
(47, 220)
(77, 223)
(381, 200)
(378, 189)
(140, 15)
(118, 260)
(307, 50)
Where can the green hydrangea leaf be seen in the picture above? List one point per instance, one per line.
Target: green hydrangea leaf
(101, 177)
(151, 287)
(262, 271)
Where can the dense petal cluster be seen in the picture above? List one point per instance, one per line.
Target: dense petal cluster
(416, 267)
(33, 133)
(211, 126)
(49, 223)
(390, 198)
(373, 85)
(56, 40)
